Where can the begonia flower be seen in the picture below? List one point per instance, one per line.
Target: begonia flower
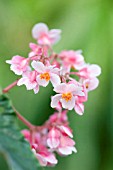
(44, 36)
(29, 80)
(72, 59)
(19, 64)
(46, 74)
(66, 96)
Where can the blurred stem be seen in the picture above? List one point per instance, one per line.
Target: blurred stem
(25, 121)
(6, 90)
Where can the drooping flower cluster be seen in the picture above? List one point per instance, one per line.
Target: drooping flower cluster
(54, 136)
(72, 79)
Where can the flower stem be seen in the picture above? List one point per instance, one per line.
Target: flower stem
(25, 121)
(6, 90)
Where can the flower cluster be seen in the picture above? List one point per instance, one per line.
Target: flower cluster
(72, 79)
(54, 136)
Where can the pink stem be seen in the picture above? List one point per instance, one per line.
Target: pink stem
(5, 90)
(25, 121)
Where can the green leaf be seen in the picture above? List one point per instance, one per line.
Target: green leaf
(12, 143)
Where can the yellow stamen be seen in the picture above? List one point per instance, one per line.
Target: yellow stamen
(45, 76)
(67, 96)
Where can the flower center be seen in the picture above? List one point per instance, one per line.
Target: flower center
(67, 96)
(45, 76)
(87, 85)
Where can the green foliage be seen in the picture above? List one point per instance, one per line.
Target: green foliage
(12, 144)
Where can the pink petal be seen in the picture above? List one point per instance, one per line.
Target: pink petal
(15, 69)
(61, 88)
(55, 100)
(36, 89)
(39, 29)
(93, 84)
(65, 150)
(79, 108)
(38, 66)
(53, 142)
(55, 79)
(54, 35)
(95, 70)
(51, 159)
(21, 81)
(66, 130)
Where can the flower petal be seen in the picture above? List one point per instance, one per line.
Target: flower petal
(93, 84)
(42, 82)
(95, 70)
(55, 79)
(68, 104)
(54, 100)
(61, 88)
(39, 29)
(79, 108)
(38, 66)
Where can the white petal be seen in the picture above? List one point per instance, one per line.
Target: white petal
(21, 81)
(30, 85)
(61, 88)
(42, 82)
(39, 29)
(36, 89)
(42, 160)
(65, 150)
(54, 35)
(73, 88)
(51, 159)
(9, 61)
(93, 84)
(54, 100)
(38, 66)
(68, 104)
(55, 79)
(79, 108)
(16, 70)
(66, 130)
(95, 70)
(53, 143)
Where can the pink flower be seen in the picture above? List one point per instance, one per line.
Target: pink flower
(89, 71)
(72, 59)
(66, 96)
(29, 80)
(53, 139)
(46, 74)
(46, 158)
(18, 64)
(66, 146)
(90, 84)
(79, 100)
(37, 51)
(41, 33)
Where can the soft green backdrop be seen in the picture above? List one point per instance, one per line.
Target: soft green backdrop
(86, 25)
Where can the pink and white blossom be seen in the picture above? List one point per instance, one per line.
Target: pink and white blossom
(66, 96)
(66, 146)
(46, 74)
(19, 64)
(71, 59)
(29, 80)
(37, 51)
(44, 36)
(89, 71)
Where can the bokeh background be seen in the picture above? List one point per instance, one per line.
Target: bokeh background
(86, 25)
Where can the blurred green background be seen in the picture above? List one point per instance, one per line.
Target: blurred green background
(86, 25)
